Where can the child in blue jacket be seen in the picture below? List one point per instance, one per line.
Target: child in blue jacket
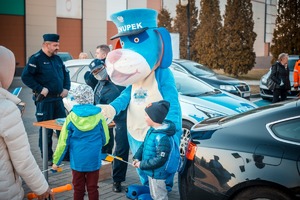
(84, 133)
(153, 154)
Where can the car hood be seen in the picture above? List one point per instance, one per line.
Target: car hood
(222, 79)
(222, 102)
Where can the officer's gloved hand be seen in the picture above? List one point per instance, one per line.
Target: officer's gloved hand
(108, 112)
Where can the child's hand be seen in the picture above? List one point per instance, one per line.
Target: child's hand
(135, 161)
(54, 167)
(136, 164)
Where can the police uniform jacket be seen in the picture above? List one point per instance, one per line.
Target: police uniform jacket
(44, 71)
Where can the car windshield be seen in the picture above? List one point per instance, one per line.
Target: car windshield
(197, 69)
(190, 86)
(77, 73)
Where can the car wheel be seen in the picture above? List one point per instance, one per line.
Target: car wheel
(261, 193)
(186, 128)
(183, 189)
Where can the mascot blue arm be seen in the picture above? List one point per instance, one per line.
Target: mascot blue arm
(122, 101)
(170, 94)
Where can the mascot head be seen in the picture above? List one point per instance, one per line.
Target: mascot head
(144, 46)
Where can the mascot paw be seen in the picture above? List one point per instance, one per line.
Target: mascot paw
(108, 112)
(134, 191)
(145, 196)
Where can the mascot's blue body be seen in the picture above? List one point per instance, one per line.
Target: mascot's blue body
(142, 66)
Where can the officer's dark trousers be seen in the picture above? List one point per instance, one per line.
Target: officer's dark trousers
(108, 148)
(47, 110)
(121, 150)
(279, 92)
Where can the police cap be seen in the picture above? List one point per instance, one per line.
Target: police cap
(51, 37)
(96, 64)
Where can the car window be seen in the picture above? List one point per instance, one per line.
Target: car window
(178, 68)
(65, 56)
(72, 71)
(287, 130)
(291, 63)
(81, 73)
(197, 70)
(188, 85)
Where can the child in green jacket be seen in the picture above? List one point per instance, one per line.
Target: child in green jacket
(84, 133)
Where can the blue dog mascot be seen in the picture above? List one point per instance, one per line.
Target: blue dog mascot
(142, 66)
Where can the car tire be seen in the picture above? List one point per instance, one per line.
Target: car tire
(186, 128)
(261, 192)
(183, 190)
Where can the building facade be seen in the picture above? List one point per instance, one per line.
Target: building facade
(82, 25)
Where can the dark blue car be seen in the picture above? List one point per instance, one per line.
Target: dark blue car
(252, 155)
(228, 84)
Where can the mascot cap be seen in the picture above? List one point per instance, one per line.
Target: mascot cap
(96, 64)
(51, 37)
(134, 21)
(83, 94)
(158, 111)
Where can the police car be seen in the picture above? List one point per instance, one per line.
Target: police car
(198, 100)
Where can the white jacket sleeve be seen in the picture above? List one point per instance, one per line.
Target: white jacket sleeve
(18, 149)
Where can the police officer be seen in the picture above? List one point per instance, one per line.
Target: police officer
(105, 92)
(47, 76)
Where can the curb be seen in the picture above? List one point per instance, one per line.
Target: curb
(255, 95)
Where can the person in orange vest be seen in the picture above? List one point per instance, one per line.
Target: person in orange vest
(297, 74)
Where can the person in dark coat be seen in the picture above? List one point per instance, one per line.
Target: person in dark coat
(47, 76)
(280, 74)
(105, 92)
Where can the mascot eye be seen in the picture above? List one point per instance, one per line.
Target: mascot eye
(138, 39)
(122, 43)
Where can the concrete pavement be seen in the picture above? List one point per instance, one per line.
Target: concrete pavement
(65, 177)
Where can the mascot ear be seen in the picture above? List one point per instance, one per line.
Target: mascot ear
(167, 54)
